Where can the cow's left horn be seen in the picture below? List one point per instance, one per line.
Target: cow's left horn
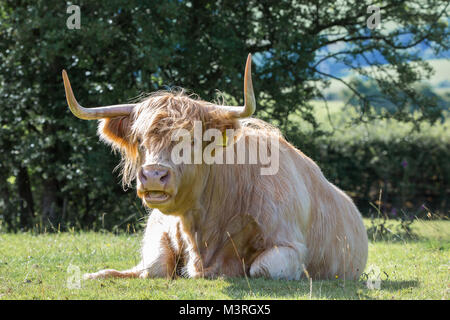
(249, 96)
(93, 113)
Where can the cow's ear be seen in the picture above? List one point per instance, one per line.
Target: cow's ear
(116, 131)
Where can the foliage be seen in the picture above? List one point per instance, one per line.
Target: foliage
(383, 106)
(411, 172)
(396, 229)
(54, 173)
(410, 168)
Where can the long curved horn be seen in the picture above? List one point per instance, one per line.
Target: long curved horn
(249, 96)
(93, 113)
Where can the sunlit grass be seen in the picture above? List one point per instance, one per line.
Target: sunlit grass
(35, 267)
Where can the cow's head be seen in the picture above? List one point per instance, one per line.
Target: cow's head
(143, 133)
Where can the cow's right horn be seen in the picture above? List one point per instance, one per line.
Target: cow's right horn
(93, 113)
(249, 96)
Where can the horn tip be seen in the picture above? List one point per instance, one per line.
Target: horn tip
(64, 75)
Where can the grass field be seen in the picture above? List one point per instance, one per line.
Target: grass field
(36, 267)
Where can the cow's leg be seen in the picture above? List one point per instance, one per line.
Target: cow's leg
(158, 260)
(111, 273)
(161, 251)
(162, 263)
(280, 262)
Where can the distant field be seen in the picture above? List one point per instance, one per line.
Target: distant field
(35, 267)
(439, 80)
(335, 117)
(341, 117)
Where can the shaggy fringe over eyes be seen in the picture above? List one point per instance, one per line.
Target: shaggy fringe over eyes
(160, 115)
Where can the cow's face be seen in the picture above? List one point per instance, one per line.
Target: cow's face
(160, 183)
(143, 133)
(147, 138)
(157, 178)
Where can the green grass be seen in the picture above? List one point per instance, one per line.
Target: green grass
(35, 267)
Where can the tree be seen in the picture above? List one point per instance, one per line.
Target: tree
(56, 171)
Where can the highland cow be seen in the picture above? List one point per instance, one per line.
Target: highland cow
(227, 219)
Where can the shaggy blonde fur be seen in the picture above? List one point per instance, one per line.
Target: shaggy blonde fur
(229, 219)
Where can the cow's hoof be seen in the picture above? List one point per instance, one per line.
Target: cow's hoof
(259, 271)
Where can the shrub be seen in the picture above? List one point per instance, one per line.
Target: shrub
(411, 168)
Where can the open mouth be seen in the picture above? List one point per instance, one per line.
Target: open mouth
(156, 196)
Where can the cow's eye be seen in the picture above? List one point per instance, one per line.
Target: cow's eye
(141, 146)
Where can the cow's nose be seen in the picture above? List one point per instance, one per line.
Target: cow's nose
(154, 177)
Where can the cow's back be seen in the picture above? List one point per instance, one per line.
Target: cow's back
(332, 227)
(336, 237)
